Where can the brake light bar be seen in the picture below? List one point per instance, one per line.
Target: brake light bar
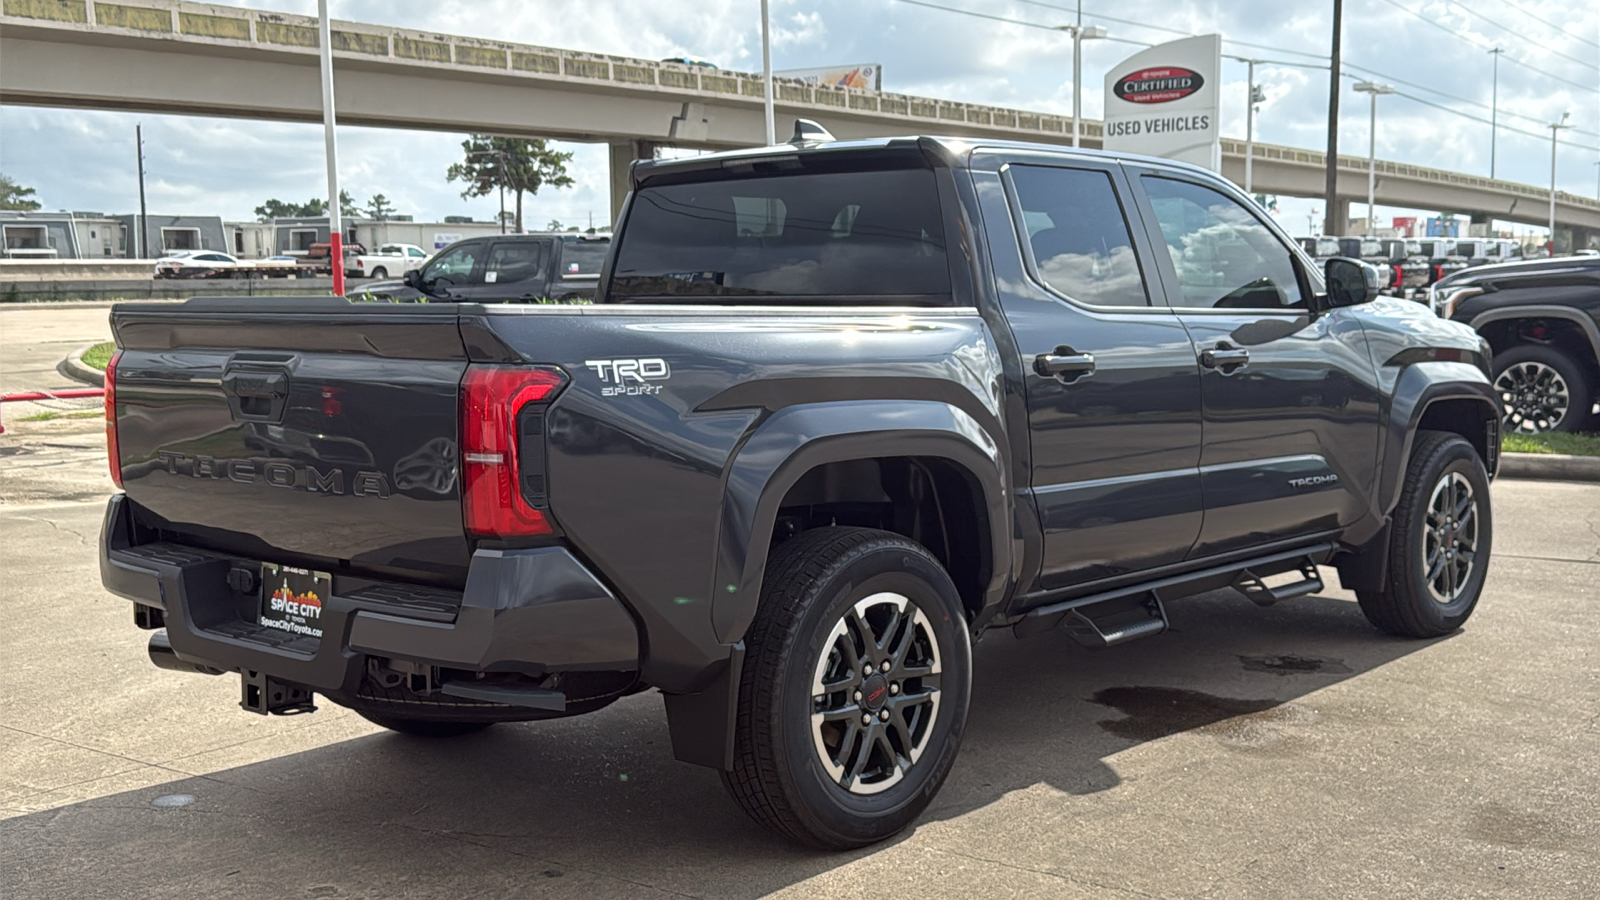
(113, 452)
(492, 502)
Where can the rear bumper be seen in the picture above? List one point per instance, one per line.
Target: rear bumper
(529, 611)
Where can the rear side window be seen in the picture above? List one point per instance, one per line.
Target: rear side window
(513, 261)
(1079, 235)
(855, 236)
(580, 258)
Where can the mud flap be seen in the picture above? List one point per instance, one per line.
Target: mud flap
(702, 724)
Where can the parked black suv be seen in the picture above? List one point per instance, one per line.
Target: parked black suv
(840, 409)
(519, 268)
(1542, 319)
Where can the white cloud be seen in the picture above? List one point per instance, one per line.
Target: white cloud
(85, 160)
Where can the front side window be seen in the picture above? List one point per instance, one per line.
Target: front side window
(813, 234)
(509, 262)
(1224, 256)
(1081, 244)
(453, 267)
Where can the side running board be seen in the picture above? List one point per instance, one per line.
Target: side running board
(1116, 621)
(1257, 591)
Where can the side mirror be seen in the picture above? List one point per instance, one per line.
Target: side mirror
(1350, 281)
(413, 278)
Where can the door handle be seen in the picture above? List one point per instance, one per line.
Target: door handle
(1225, 358)
(1064, 363)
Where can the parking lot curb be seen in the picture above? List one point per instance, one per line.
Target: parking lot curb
(73, 368)
(1549, 466)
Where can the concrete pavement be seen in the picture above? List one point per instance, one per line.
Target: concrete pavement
(1288, 752)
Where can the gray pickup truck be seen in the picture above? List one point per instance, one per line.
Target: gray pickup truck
(841, 407)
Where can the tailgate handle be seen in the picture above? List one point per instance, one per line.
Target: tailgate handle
(256, 396)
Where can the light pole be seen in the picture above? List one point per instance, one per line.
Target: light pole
(1494, 109)
(1080, 33)
(766, 75)
(335, 224)
(1372, 88)
(1555, 131)
(1255, 95)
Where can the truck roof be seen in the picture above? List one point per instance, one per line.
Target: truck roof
(955, 152)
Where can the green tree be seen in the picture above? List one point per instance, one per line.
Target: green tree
(15, 196)
(278, 209)
(520, 165)
(378, 207)
(555, 225)
(347, 205)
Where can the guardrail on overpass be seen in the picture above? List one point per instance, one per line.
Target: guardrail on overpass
(200, 59)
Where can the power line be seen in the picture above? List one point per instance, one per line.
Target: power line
(1478, 103)
(1509, 58)
(1551, 24)
(1439, 106)
(994, 18)
(1181, 33)
(1514, 33)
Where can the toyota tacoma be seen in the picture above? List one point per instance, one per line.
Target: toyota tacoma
(839, 409)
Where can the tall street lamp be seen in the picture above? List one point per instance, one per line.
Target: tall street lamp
(1256, 95)
(1372, 88)
(1555, 130)
(1080, 33)
(1494, 109)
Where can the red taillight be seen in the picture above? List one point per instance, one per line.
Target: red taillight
(1438, 272)
(1399, 276)
(491, 492)
(113, 454)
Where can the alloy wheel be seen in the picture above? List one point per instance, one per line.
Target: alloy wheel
(1535, 396)
(875, 693)
(1450, 537)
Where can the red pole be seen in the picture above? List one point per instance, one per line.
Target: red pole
(336, 255)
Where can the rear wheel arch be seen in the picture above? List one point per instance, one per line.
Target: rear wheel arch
(844, 441)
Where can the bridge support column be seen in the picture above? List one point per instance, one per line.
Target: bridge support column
(623, 153)
(1585, 238)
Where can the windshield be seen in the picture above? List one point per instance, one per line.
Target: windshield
(847, 234)
(1327, 247)
(1370, 247)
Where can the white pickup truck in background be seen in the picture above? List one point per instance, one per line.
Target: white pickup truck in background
(389, 260)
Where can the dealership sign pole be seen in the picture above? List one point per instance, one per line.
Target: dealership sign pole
(1164, 102)
(335, 226)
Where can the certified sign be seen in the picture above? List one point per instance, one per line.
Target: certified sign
(1164, 102)
(1159, 85)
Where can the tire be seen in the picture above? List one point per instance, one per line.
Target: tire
(380, 272)
(428, 728)
(1428, 592)
(821, 590)
(1543, 389)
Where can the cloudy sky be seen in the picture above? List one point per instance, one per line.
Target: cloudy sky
(1434, 51)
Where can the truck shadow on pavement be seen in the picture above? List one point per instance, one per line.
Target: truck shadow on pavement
(596, 806)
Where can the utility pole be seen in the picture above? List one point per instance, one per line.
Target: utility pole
(1331, 184)
(335, 223)
(142, 239)
(766, 74)
(1494, 109)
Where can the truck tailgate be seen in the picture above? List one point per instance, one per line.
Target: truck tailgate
(297, 431)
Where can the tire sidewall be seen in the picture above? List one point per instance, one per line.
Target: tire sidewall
(856, 817)
(1455, 457)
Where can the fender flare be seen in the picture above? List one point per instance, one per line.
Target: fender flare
(1585, 323)
(799, 438)
(1418, 387)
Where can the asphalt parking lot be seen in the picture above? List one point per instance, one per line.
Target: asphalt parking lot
(1287, 752)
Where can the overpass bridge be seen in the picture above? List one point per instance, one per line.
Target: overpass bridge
(171, 56)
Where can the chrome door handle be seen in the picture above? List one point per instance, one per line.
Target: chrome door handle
(1225, 358)
(1064, 363)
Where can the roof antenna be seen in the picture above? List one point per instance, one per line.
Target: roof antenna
(807, 131)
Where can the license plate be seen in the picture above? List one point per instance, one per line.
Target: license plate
(291, 599)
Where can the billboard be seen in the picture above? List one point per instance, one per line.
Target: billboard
(1405, 226)
(865, 77)
(1438, 226)
(1164, 102)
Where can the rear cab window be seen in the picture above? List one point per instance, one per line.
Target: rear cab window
(582, 258)
(818, 231)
